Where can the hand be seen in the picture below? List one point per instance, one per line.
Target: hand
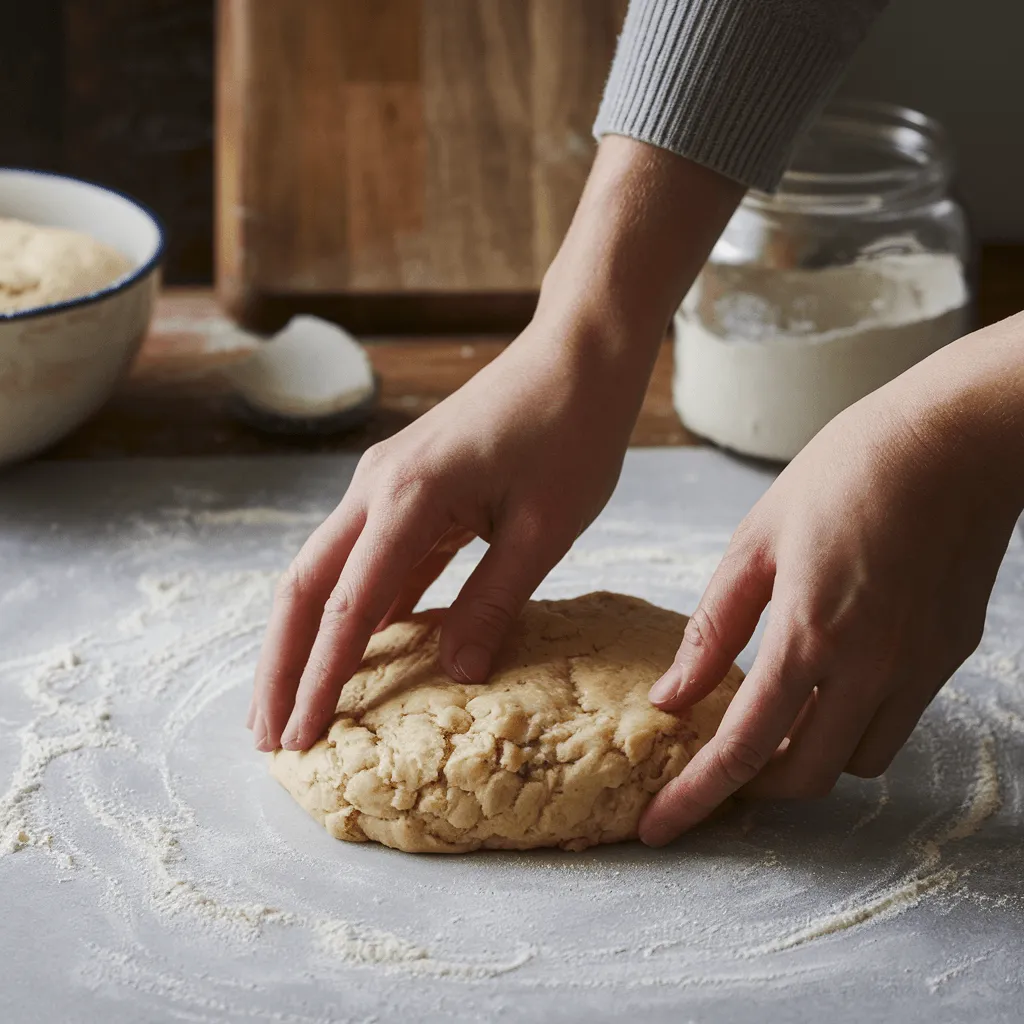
(877, 547)
(524, 456)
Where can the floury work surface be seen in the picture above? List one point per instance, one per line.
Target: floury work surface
(150, 870)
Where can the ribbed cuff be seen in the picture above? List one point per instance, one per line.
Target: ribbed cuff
(730, 84)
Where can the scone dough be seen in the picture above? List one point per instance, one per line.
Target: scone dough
(40, 266)
(560, 748)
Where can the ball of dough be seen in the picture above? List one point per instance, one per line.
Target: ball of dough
(40, 266)
(561, 746)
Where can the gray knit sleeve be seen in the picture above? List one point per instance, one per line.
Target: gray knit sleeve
(729, 83)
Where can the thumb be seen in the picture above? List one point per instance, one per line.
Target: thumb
(518, 559)
(719, 628)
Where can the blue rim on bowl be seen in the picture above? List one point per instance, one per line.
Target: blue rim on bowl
(121, 283)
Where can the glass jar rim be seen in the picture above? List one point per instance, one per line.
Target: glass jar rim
(863, 156)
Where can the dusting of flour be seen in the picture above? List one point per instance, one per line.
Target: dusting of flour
(131, 780)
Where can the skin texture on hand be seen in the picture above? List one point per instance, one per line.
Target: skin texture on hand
(878, 547)
(525, 455)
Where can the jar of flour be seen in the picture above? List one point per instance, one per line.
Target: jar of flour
(813, 297)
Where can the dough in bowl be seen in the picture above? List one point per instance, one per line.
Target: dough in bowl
(40, 266)
(559, 748)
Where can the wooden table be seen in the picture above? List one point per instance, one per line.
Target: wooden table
(174, 401)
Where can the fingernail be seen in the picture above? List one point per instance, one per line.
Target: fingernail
(472, 663)
(259, 732)
(665, 688)
(290, 737)
(656, 837)
(250, 718)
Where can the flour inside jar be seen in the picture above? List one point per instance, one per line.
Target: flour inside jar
(766, 357)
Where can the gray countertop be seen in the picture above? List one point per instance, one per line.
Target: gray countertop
(150, 869)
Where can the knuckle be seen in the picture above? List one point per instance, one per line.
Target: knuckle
(342, 608)
(812, 643)
(822, 645)
(701, 632)
(738, 761)
(493, 609)
(292, 585)
(747, 540)
(401, 482)
(536, 526)
(339, 604)
(373, 460)
(540, 537)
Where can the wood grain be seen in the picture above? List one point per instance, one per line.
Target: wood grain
(572, 45)
(229, 238)
(478, 184)
(409, 148)
(385, 202)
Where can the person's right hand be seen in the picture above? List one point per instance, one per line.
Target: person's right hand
(524, 456)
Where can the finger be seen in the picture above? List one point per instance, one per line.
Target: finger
(758, 719)
(821, 744)
(720, 627)
(294, 618)
(518, 559)
(425, 573)
(892, 725)
(388, 547)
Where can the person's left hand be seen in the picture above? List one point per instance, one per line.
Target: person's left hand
(877, 547)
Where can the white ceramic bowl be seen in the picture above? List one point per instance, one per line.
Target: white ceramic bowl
(59, 363)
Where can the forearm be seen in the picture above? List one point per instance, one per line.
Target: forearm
(705, 98)
(645, 224)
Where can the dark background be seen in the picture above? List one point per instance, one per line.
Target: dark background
(119, 92)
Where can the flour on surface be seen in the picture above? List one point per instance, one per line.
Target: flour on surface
(258, 517)
(125, 776)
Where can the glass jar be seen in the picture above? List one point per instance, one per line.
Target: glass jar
(857, 268)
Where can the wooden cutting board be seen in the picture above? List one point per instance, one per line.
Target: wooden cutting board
(402, 164)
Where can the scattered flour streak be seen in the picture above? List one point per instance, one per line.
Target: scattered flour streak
(983, 801)
(131, 712)
(61, 727)
(936, 981)
(257, 517)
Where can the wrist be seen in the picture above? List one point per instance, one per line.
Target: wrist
(597, 327)
(973, 391)
(643, 228)
(596, 315)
